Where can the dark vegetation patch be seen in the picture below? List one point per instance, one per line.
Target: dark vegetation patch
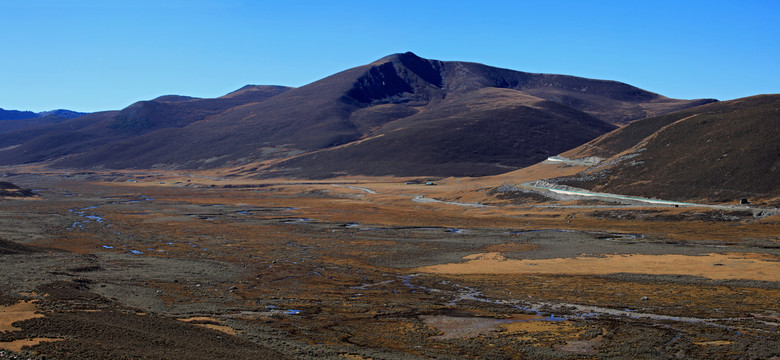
(594, 202)
(8, 189)
(88, 268)
(9, 248)
(622, 214)
(660, 215)
(691, 280)
(110, 331)
(422, 181)
(713, 215)
(66, 292)
(517, 196)
(116, 334)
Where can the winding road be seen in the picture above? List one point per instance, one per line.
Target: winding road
(582, 193)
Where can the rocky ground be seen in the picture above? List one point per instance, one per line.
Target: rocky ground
(103, 267)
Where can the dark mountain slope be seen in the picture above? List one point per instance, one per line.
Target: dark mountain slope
(56, 140)
(88, 134)
(308, 118)
(255, 93)
(446, 115)
(460, 138)
(179, 111)
(720, 151)
(610, 101)
(16, 114)
(14, 125)
(319, 114)
(62, 113)
(13, 120)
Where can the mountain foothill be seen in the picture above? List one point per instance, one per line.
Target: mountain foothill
(719, 151)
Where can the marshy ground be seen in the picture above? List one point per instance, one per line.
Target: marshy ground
(173, 266)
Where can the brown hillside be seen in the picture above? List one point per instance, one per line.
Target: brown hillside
(721, 151)
(443, 118)
(467, 137)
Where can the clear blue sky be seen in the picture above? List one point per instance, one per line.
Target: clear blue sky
(91, 55)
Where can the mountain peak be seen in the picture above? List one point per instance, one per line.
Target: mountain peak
(399, 58)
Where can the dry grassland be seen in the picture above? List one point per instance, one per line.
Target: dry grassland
(159, 264)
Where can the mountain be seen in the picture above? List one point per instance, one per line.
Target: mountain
(97, 131)
(721, 151)
(400, 115)
(172, 111)
(16, 114)
(62, 113)
(12, 120)
(461, 137)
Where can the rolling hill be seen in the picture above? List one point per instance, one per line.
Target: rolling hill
(12, 120)
(16, 114)
(721, 151)
(400, 115)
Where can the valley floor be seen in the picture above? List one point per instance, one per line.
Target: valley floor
(160, 265)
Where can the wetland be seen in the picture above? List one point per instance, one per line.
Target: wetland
(163, 265)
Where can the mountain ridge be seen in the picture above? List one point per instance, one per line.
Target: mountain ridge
(12, 120)
(401, 96)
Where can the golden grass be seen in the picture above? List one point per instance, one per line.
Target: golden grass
(17, 345)
(10, 314)
(222, 328)
(23, 310)
(713, 266)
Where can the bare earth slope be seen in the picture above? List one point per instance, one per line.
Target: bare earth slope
(722, 151)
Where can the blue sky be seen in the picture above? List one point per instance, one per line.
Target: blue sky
(92, 55)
